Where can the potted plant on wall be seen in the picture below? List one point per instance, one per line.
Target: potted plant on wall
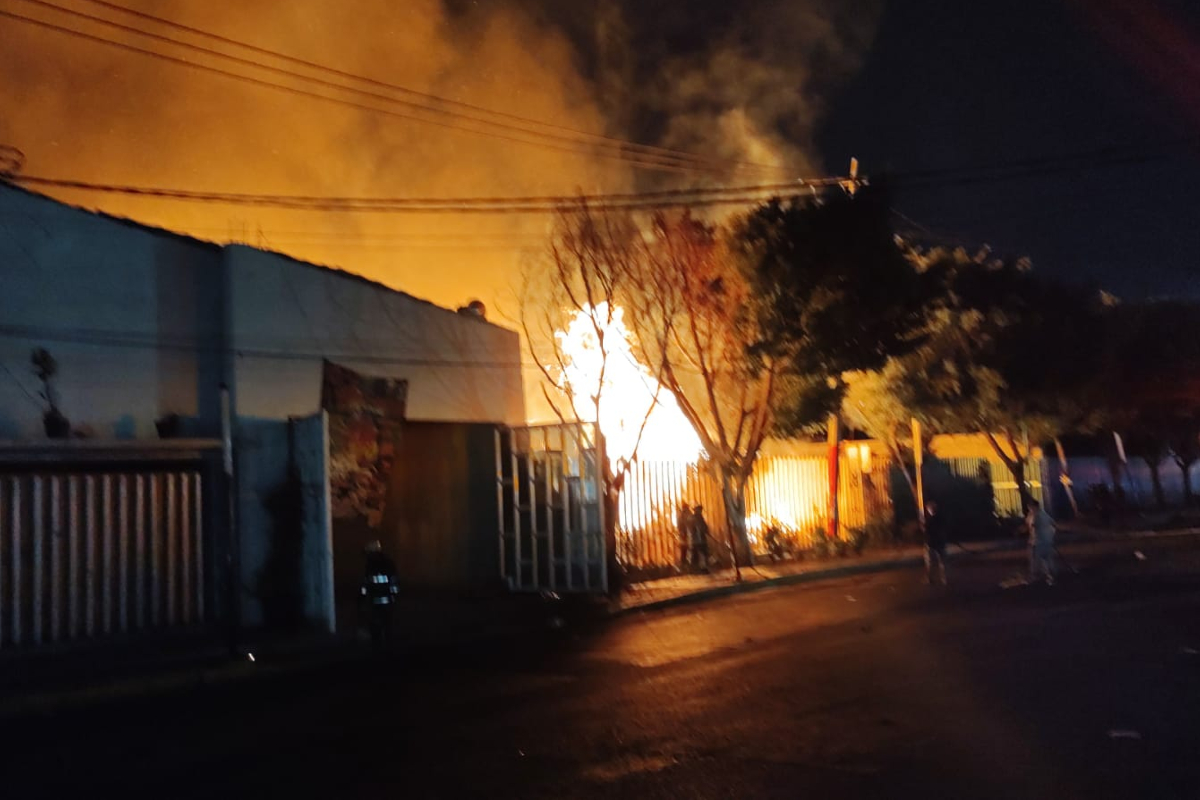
(45, 367)
(169, 426)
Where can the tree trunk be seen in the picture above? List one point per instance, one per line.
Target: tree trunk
(909, 475)
(1017, 468)
(1186, 468)
(1016, 465)
(612, 484)
(1160, 499)
(733, 494)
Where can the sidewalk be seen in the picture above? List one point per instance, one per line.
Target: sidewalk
(680, 589)
(47, 681)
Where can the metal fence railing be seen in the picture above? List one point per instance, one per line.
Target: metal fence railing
(791, 491)
(549, 505)
(90, 552)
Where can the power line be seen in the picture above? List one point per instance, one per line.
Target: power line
(541, 139)
(465, 205)
(141, 340)
(340, 101)
(450, 238)
(1039, 166)
(623, 143)
(272, 242)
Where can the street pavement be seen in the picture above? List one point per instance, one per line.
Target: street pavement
(873, 686)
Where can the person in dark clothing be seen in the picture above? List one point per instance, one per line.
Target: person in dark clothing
(379, 590)
(935, 544)
(683, 526)
(774, 542)
(699, 539)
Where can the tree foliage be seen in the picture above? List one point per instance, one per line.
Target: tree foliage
(836, 291)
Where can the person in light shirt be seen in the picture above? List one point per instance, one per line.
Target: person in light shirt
(1041, 527)
(935, 544)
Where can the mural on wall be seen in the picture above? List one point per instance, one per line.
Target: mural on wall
(365, 414)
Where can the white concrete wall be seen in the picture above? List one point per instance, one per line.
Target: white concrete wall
(288, 315)
(135, 318)
(102, 296)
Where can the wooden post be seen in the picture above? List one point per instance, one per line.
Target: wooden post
(918, 459)
(834, 449)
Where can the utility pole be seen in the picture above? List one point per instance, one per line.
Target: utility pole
(850, 185)
(918, 459)
(834, 451)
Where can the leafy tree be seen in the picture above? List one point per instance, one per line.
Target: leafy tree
(754, 325)
(837, 294)
(919, 384)
(1002, 353)
(1146, 391)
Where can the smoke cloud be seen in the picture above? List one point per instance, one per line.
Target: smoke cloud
(743, 81)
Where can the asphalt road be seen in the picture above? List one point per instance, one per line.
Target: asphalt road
(876, 686)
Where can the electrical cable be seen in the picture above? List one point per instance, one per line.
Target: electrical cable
(546, 140)
(623, 143)
(491, 205)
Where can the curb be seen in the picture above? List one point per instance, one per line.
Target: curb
(231, 672)
(985, 548)
(243, 671)
(747, 587)
(1084, 537)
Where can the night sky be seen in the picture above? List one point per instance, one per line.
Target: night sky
(976, 84)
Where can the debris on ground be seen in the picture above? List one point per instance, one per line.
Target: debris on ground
(1123, 733)
(850, 597)
(1139, 555)
(1189, 651)
(1014, 582)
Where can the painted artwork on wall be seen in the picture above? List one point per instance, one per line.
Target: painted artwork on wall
(365, 416)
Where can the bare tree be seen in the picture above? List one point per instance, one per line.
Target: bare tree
(691, 309)
(593, 257)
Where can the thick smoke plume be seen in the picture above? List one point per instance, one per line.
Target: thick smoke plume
(742, 81)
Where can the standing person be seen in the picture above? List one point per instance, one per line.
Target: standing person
(699, 538)
(1041, 527)
(935, 544)
(774, 542)
(683, 527)
(379, 590)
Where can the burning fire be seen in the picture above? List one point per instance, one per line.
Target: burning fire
(627, 396)
(628, 406)
(790, 493)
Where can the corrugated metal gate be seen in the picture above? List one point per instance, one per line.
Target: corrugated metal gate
(551, 518)
(99, 544)
(993, 471)
(789, 490)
